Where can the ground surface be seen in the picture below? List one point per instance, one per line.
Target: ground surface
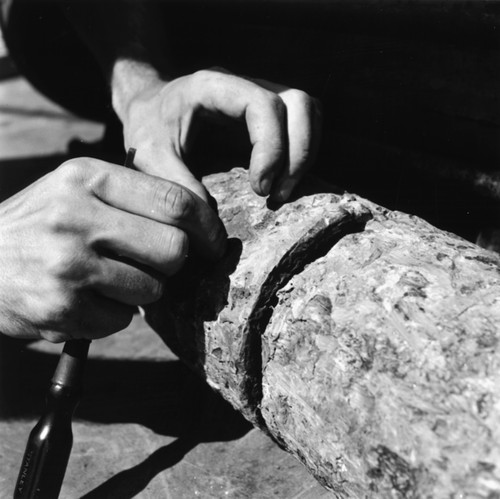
(146, 426)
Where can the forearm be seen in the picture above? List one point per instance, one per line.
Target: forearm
(129, 79)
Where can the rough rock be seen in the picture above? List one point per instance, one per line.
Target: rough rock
(365, 342)
(382, 364)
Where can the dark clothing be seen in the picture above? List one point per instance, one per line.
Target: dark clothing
(400, 82)
(365, 60)
(48, 53)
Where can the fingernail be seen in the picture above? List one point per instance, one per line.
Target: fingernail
(285, 189)
(266, 184)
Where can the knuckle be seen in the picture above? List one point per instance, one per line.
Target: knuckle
(208, 83)
(74, 171)
(203, 76)
(68, 226)
(60, 265)
(173, 200)
(274, 101)
(83, 175)
(64, 263)
(58, 309)
(61, 215)
(98, 181)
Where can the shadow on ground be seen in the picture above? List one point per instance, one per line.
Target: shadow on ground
(165, 397)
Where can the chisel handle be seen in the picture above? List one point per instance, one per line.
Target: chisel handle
(49, 444)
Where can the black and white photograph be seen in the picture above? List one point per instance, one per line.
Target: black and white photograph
(250, 249)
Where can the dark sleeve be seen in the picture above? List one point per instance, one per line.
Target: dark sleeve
(47, 51)
(121, 29)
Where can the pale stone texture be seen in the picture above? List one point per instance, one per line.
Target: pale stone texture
(382, 364)
(366, 342)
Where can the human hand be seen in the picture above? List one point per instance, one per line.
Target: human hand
(283, 125)
(84, 245)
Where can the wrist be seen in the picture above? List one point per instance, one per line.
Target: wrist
(129, 80)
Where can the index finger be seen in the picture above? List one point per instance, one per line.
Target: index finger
(160, 200)
(264, 113)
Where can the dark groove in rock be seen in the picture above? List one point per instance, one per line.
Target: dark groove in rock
(316, 243)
